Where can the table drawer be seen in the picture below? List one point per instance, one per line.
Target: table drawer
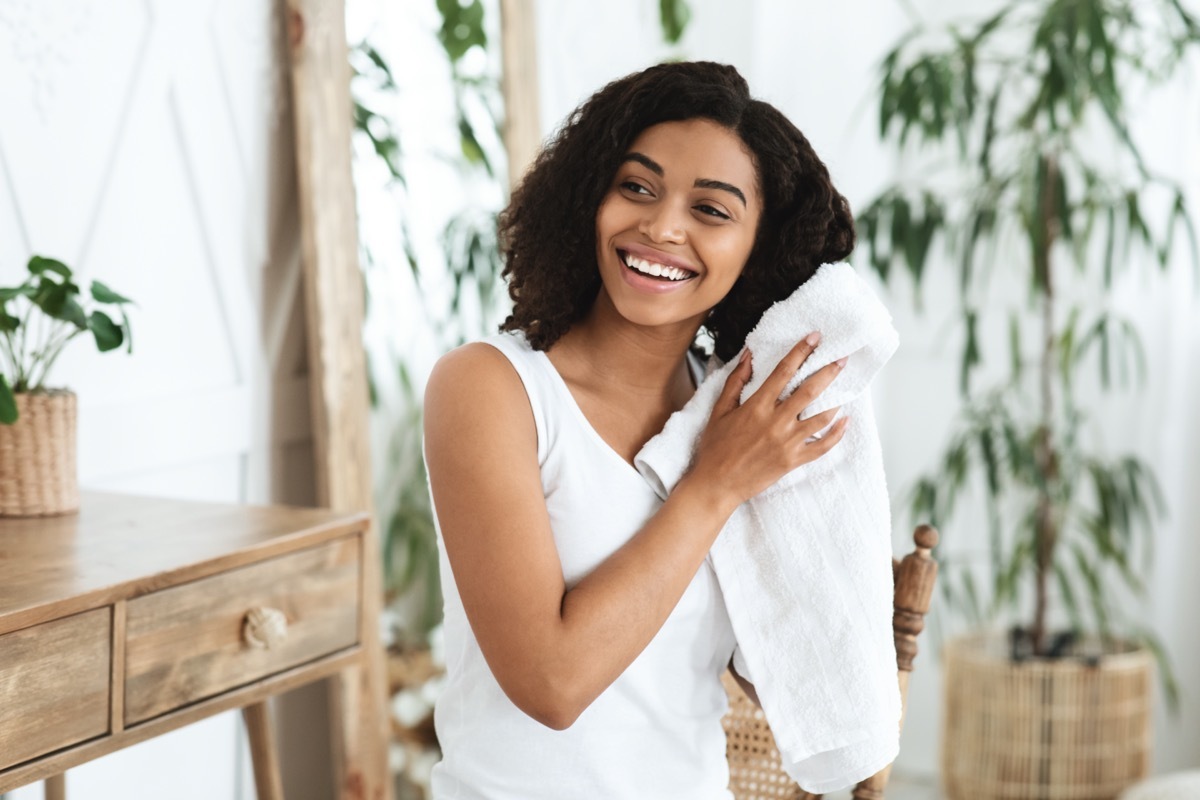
(190, 642)
(54, 685)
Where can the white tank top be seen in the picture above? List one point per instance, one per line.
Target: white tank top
(655, 733)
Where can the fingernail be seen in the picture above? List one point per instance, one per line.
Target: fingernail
(813, 338)
(745, 355)
(841, 362)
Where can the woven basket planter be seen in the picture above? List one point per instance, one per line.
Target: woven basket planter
(37, 457)
(1064, 729)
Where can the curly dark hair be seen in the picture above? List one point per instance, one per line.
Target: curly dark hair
(548, 231)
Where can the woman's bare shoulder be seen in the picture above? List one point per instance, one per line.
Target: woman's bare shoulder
(472, 367)
(474, 388)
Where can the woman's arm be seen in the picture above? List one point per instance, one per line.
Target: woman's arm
(553, 651)
(747, 686)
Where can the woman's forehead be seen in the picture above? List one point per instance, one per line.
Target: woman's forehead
(695, 149)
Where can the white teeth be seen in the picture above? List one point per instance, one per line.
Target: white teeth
(657, 270)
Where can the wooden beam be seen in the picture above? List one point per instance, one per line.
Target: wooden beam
(519, 84)
(337, 362)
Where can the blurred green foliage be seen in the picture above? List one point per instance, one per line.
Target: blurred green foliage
(1029, 173)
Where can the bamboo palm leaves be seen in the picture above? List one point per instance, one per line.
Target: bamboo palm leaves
(1020, 131)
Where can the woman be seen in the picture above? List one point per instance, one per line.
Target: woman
(585, 634)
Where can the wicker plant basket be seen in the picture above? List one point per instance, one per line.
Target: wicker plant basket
(37, 457)
(1068, 729)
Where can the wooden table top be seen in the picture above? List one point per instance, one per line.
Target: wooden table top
(122, 546)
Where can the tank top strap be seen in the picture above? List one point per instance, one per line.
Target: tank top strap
(538, 386)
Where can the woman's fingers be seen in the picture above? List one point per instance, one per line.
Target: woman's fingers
(811, 388)
(734, 383)
(819, 447)
(810, 427)
(786, 369)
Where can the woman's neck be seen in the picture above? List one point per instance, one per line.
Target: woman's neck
(648, 361)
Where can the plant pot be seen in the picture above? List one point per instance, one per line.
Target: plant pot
(1068, 729)
(37, 457)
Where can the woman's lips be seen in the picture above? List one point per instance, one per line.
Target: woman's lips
(657, 256)
(646, 283)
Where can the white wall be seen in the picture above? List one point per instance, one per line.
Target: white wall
(147, 143)
(817, 62)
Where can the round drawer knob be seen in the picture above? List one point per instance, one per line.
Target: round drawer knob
(264, 628)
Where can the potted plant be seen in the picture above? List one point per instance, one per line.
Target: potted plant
(38, 319)
(1024, 112)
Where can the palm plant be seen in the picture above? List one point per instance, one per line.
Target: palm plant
(1020, 126)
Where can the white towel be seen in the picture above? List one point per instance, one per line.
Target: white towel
(806, 566)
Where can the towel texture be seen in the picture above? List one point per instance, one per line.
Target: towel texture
(805, 566)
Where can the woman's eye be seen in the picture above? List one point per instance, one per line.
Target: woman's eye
(636, 188)
(710, 211)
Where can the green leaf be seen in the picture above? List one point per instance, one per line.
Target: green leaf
(987, 448)
(1110, 245)
(8, 403)
(380, 64)
(472, 150)
(8, 323)
(1062, 209)
(970, 355)
(39, 265)
(1166, 673)
(1179, 213)
(126, 331)
(975, 608)
(990, 25)
(674, 16)
(57, 301)
(1066, 347)
(869, 224)
(1039, 234)
(924, 501)
(108, 334)
(462, 27)
(920, 236)
(24, 290)
(103, 294)
(1015, 358)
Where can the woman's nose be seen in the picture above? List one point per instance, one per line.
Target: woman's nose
(663, 222)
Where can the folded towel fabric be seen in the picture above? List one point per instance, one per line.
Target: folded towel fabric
(805, 566)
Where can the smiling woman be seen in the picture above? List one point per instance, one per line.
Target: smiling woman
(585, 633)
(675, 222)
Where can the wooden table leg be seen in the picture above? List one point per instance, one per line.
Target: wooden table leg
(56, 787)
(345, 701)
(263, 751)
(356, 775)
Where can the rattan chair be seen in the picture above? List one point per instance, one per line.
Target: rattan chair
(754, 768)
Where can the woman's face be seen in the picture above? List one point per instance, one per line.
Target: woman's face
(678, 222)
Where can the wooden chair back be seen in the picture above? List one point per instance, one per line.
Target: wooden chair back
(755, 772)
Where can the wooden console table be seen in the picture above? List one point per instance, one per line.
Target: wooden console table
(142, 615)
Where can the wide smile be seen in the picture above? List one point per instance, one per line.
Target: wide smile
(652, 276)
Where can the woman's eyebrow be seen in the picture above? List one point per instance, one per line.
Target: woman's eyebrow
(701, 183)
(646, 161)
(706, 183)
